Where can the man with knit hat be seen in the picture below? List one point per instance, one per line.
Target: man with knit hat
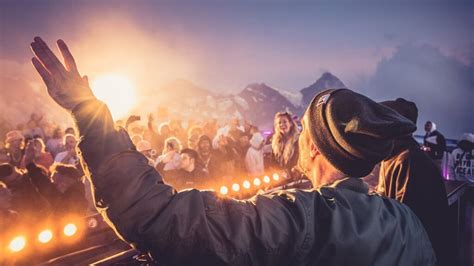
(411, 177)
(345, 134)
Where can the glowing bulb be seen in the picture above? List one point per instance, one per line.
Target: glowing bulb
(235, 187)
(45, 236)
(266, 179)
(257, 182)
(276, 177)
(17, 244)
(246, 184)
(70, 229)
(224, 190)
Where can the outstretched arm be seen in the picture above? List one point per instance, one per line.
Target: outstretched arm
(177, 228)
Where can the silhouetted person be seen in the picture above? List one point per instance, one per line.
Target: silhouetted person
(434, 143)
(411, 177)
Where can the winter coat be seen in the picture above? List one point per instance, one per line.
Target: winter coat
(338, 225)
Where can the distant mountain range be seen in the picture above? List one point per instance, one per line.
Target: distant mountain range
(257, 102)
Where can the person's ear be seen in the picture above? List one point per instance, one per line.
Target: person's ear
(313, 151)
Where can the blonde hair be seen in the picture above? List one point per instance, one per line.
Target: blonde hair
(283, 146)
(68, 136)
(172, 144)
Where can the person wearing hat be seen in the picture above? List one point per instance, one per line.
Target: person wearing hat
(411, 177)
(461, 160)
(344, 135)
(14, 144)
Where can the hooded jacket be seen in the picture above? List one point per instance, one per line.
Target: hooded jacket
(337, 225)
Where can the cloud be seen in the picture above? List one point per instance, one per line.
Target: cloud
(22, 93)
(440, 85)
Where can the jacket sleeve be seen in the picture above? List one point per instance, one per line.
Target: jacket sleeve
(190, 226)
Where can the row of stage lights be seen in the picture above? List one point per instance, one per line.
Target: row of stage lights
(257, 182)
(19, 243)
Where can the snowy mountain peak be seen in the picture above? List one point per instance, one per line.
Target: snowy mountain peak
(326, 81)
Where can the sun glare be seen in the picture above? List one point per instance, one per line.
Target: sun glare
(117, 92)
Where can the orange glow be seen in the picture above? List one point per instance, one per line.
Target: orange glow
(17, 244)
(257, 182)
(235, 187)
(266, 179)
(276, 177)
(224, 190)
(117, 92)
(45, 236)
(246, 184)
(70, 229)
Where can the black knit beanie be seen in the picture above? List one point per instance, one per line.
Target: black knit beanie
(406, 108)
(353, 132)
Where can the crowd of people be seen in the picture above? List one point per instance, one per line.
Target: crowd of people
(41, 173)
(39, 161)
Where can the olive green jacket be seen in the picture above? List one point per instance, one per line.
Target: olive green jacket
(339, 225)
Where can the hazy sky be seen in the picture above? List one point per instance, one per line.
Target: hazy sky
(225, 45)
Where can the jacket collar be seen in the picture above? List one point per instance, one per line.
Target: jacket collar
(351, 183)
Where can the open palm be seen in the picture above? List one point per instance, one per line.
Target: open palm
(65, 84)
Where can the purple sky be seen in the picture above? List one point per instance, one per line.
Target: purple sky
(224, 45)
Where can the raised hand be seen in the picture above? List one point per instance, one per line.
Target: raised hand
(65, 84)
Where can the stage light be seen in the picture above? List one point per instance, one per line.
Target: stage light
(224, 190)
(246, 184)
(257, 182)
(70, 229)
(266, 179)
(45, 236)
(235, 187)
(276, 177)
(17, 244)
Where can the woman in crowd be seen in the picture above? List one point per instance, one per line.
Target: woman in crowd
(55, 144)
(69, 156)
(41, 157)
(285, 142)
(170, 159)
